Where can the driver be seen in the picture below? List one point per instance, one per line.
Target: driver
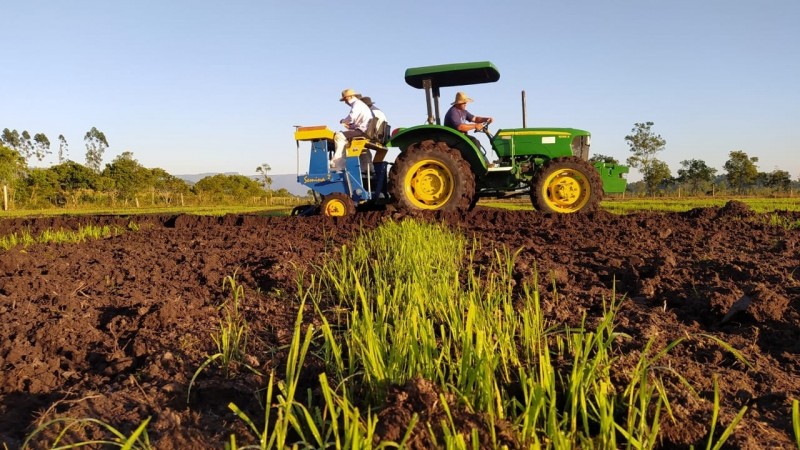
(462, 120)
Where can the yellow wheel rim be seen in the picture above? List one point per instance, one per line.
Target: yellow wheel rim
(566, 191)
(335, 208)
(429, 184)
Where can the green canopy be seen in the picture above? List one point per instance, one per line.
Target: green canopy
(458, 74)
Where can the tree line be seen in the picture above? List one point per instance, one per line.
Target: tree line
(695, 177)
(122, 181)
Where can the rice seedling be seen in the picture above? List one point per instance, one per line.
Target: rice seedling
(784, 222)
(335, 422)
(230, 337)
(401, 303)
(421, 314)
(137, 440)
(424, 314)
(796, 421)
(61, 236)
(23, 238)
(711, 444)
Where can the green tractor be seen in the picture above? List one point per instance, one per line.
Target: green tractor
(440, 168)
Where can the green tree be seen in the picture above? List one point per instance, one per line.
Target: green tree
(695, 175)
(75, 179)
(128, 175)
(264, 169)
(96, 145)
(26, 145)
(12, 169)
(779, 180)
(658, 176)
(166, 186)
(742, 170)
(228, 187)
(41, 185)
(41, 146)
(63, 149)
(73, 176)
(266, 180)
(11, 139)
(644, 144)
(603, 158)
(12, 166)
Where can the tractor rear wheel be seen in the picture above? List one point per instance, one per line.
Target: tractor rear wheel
(336, 205)
(566, 185)
(430, 175)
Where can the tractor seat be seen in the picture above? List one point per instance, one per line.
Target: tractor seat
(378, 131)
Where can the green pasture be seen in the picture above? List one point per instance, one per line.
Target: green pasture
(618, 205)
(127, 211)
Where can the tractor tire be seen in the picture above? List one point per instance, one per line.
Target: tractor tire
(337, 205)
(566, 185)
(429, 175)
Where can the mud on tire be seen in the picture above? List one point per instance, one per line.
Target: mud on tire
(430, 175)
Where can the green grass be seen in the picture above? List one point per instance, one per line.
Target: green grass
(126, 211)
(619, 205)
(62, 236)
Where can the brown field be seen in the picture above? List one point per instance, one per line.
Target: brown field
(114, 329)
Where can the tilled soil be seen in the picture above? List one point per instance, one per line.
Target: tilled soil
(114, 329)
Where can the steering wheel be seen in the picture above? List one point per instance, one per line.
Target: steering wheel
(485, 130)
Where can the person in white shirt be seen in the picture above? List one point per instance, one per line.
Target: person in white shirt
(376, 112)
(355, 123)
(377, 165)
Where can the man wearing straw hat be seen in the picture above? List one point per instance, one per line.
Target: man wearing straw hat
(356, 123)
(462, 120)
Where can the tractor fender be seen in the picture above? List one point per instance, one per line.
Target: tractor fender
(405, 137)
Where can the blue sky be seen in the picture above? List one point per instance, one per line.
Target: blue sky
(201, 86)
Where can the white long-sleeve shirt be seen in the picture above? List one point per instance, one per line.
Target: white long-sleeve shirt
(379, 114)
(359, 116)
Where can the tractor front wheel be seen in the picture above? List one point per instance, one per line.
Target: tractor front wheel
(336, 205)
(430, 175)
(566, 185)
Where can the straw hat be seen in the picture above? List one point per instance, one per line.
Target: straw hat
(347, 93)
(461, 98)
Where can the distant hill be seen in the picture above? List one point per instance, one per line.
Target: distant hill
(282, 181)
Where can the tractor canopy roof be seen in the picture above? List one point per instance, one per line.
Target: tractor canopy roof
(458, 74)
